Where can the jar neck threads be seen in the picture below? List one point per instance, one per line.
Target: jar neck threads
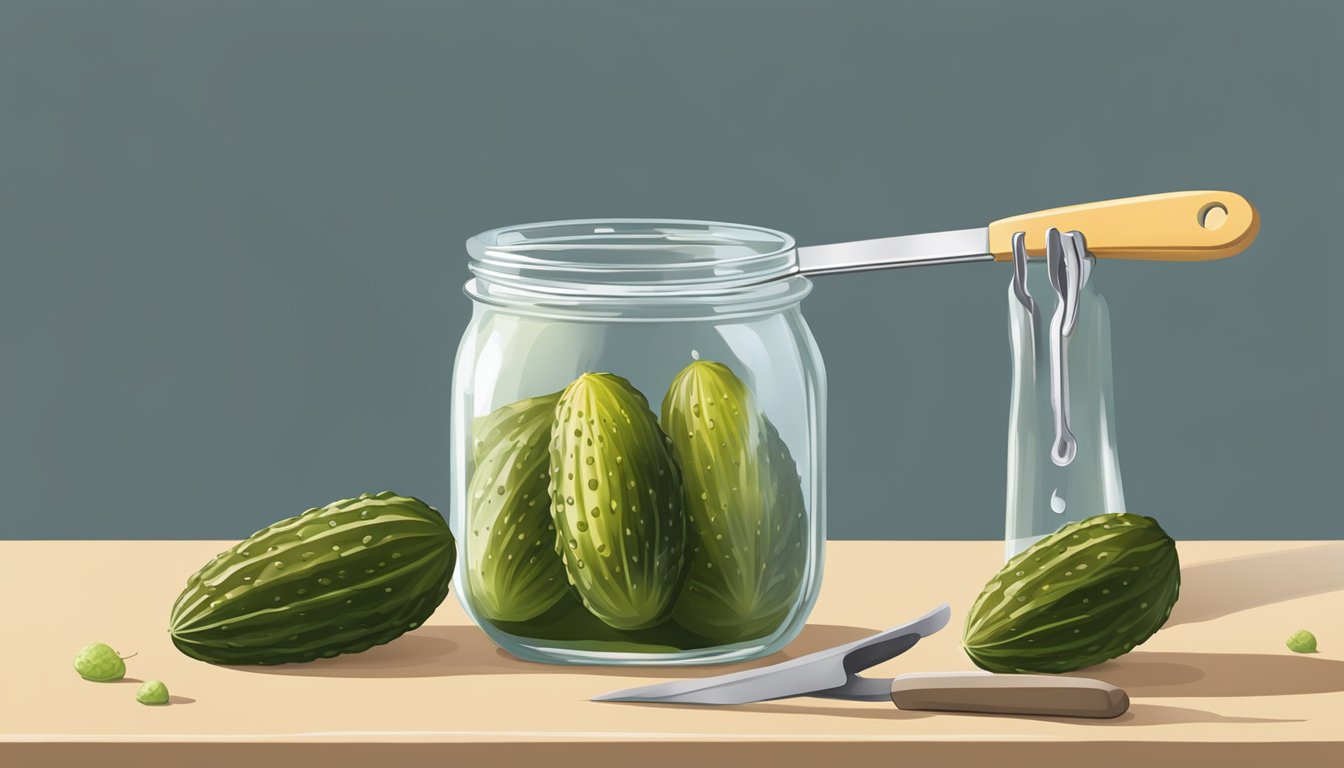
(635, 268)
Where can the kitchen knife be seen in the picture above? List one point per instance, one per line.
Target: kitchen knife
(833, 673)
(1175, 226)
(803, 676)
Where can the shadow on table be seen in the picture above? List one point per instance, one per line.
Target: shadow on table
(1138, 714)
(172, 698)
(448, 651)
(1161, 673)
(1151, 714)
(874, 710)
(1161, 714)
(1215, 589)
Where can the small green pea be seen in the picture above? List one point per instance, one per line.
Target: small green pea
(152, 692)
(1302, 641)
(99, 663)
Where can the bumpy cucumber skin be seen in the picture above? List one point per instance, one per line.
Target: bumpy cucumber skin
(1089, 592)
(97, 662)
(513, 571)
(617, 502)
(336, 579)
(152, 693)
(748, 540)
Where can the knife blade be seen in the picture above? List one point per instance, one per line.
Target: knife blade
(954, 247)
(820, 671)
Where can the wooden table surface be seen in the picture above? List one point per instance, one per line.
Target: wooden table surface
(1216, 683)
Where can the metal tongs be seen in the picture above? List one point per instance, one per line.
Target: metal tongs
(834, 673)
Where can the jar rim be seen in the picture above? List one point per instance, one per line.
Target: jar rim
(631, 257)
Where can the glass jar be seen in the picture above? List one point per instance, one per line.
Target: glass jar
(680, 518)
(1046, 490)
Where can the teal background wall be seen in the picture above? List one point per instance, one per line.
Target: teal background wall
(231, 235)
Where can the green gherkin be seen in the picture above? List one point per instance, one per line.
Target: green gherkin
(617, 502)
(336, 579)
(513, 573)
(1088, 592)
(745, 507)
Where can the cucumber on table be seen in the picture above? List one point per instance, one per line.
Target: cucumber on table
(336, 579)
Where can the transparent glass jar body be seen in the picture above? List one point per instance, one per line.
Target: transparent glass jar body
(1042, 496)
(641, 300)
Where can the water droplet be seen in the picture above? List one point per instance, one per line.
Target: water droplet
(331, 523)
(324, 581)
(589, 461)
(366, 540)
(594, 511)
(592, 483)
(582, 525)
(695, 409)
(580, 563)
(387, 589)
(695, 354)
(704, 495)
(578, 433)
(573, 543)
(1057, 504)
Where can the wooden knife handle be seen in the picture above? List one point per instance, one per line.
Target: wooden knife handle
(1174, 226)
(1042, 695)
